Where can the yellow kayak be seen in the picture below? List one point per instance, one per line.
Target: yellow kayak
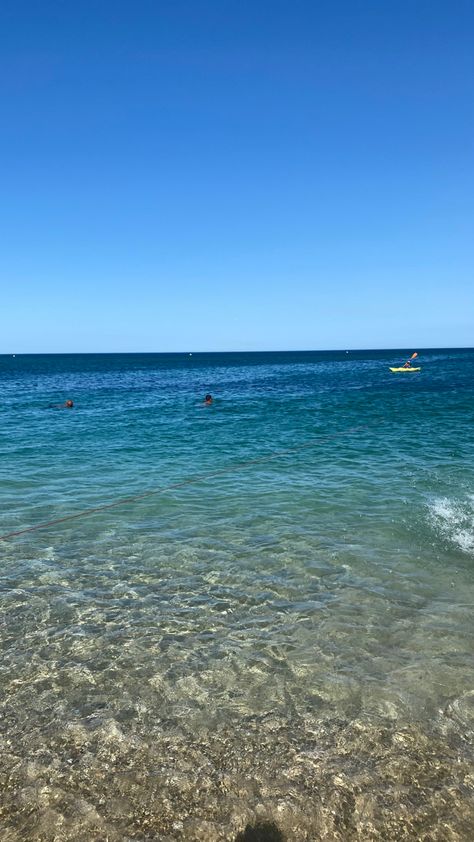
(411, 368)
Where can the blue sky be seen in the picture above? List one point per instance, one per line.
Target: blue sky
(236, 175)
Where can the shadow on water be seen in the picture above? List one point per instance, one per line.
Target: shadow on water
(260, 832)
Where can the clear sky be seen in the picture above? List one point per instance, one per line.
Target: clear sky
(236, 174)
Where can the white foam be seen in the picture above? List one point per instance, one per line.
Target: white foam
(454, 520)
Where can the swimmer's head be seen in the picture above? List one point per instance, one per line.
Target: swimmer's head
(208, 399)
(69, 404)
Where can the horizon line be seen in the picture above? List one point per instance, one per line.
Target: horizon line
(404, 348)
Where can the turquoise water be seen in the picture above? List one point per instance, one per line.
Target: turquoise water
(286, 635)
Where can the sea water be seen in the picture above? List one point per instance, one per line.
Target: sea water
(275, 624)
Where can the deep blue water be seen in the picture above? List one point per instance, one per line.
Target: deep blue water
(307, 592)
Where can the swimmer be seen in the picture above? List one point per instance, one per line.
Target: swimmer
(66, 405)
(208, 400)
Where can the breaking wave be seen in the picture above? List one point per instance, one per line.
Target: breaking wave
(454, 520)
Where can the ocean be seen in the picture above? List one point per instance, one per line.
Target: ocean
(276, 621)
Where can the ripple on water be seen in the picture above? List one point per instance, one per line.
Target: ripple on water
(181, 698)
(291, 641)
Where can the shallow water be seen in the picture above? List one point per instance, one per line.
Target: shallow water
(288, 635)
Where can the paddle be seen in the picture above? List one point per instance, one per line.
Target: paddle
(408, 362)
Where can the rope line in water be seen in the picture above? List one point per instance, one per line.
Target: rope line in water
(190, 481)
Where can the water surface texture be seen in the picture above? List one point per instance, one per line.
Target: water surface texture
(282, 631)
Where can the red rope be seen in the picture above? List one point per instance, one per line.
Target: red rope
(175, 485)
